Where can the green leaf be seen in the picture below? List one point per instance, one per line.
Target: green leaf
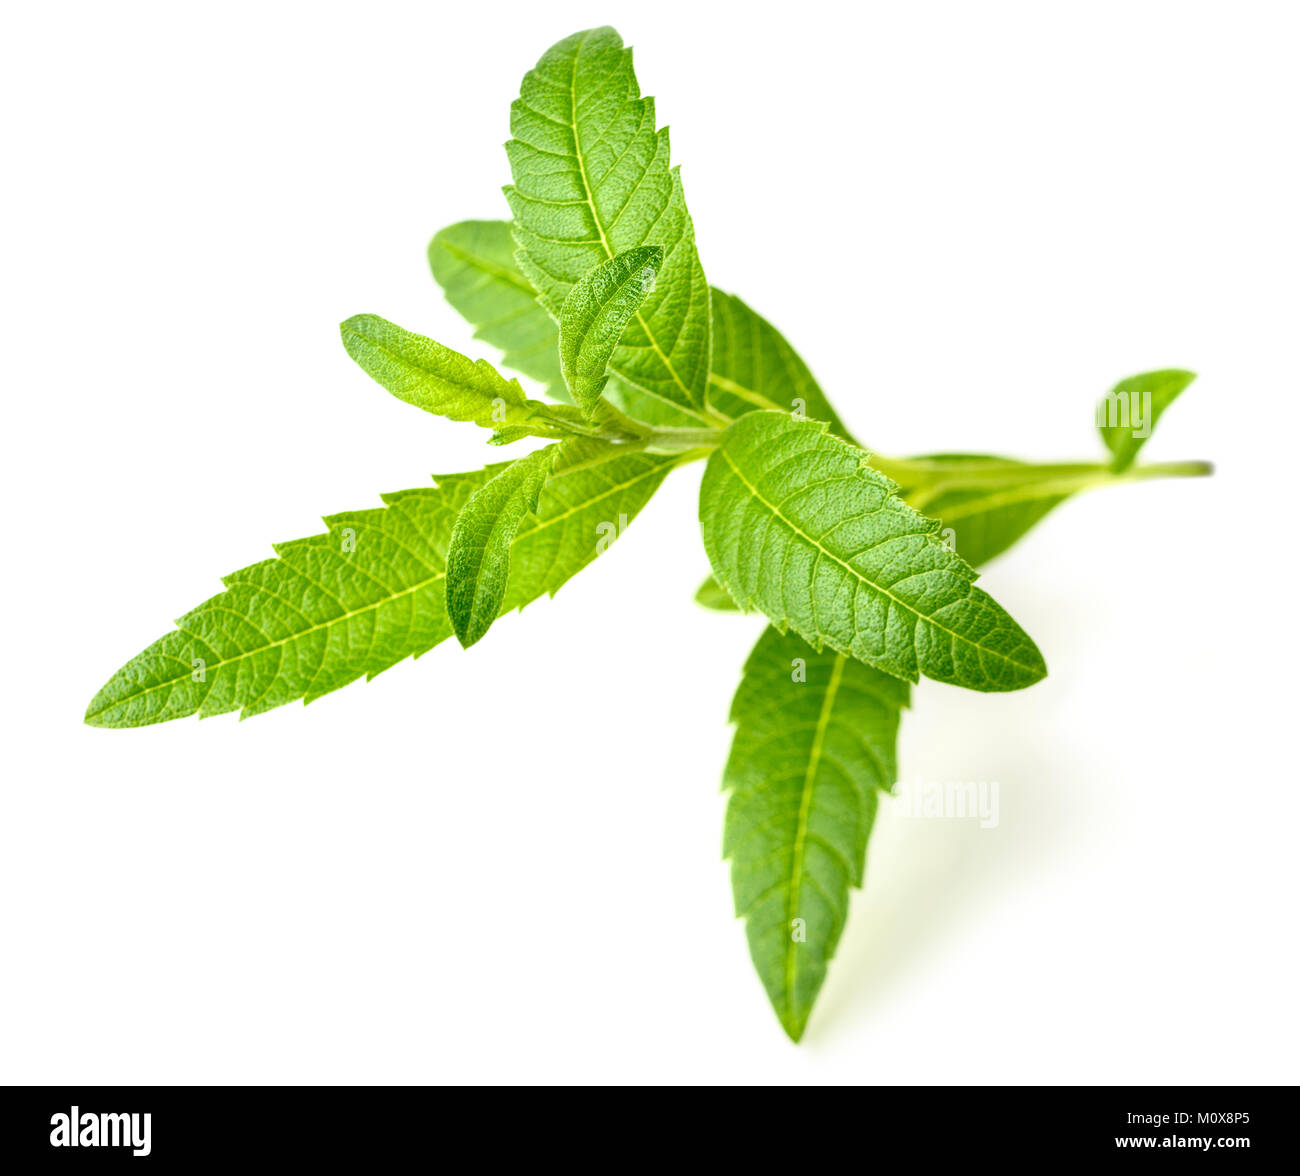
(713, 595)
(754, 367)
(1128, 413)
(446, 383)
(595, 313)
(591, 180)
(367, 594)
(797, 524)
(815, 743)
(478, 558)
(474, 263)
(354, 601)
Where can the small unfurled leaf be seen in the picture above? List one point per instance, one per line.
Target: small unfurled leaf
(474, 263)
(592, 179)
(1128, 413)
(796, 524)
(478, 558)
(444, 382)
(594, 315)
(814, 746)
(713, 595)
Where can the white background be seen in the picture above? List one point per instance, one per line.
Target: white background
(504, 865)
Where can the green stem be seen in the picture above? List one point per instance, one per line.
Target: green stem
(674, 440)
(1043, 481)
(1173, 469)
(910, 472)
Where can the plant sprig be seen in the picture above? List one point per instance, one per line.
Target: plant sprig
(864, 564)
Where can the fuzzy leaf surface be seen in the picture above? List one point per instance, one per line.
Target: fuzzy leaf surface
(478, 557)
(441, 381)
(796, 524)
(327, 610)
(596, 311)
(367, 594)
(814, 746)
(592, 179)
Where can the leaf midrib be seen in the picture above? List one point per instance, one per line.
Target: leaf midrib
(471, 390)
(230, 661)
(491, 269)
(1010, 496)
(801, 829)
(753, 396)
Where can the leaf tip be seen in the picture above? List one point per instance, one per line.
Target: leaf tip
(468, 637)
(1037, 670)
(356, 333)
(794, 1026)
